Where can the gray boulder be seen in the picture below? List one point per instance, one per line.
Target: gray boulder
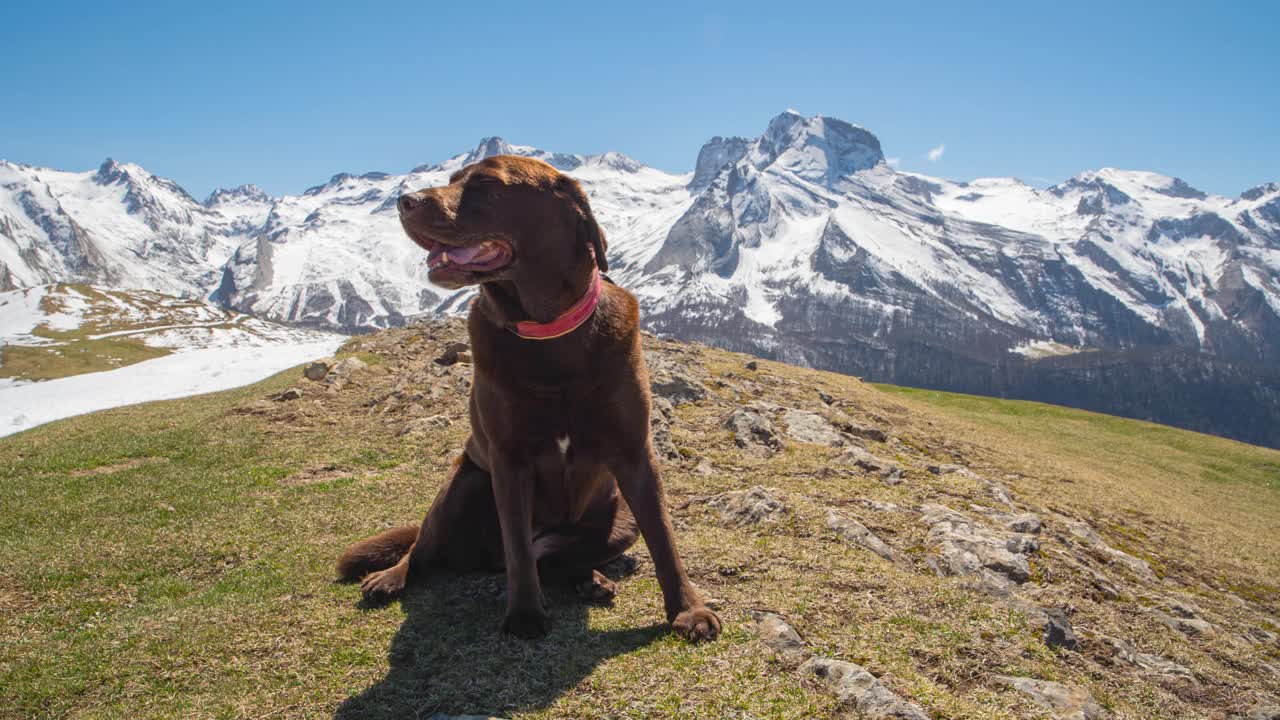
(807, 427)
(779, 637)
(962, 547)
(748, 507)
(316, 370)
(855, 533)
(860, 690)
(753, 432)
(1127, 654)
(888, 470)
(1065, 702)
(1058, 631)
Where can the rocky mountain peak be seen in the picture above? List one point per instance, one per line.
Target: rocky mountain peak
(816, 148)
(111, 172)
(1259, 191)
(1096, 194)
(714, 155)
(616, 161)
(489, 147)
(1181, 189)
(241, 193)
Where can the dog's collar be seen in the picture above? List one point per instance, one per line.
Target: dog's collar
(568, 321)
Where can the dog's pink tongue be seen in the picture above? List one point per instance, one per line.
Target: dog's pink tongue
(464, 255)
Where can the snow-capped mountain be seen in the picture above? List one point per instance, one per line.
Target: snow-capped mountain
(336, 257)
(119, 226)
(809, 219)
(801, 244)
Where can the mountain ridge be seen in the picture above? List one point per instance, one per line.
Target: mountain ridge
(801, 244)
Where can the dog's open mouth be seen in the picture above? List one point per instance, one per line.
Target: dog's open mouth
(482, 257)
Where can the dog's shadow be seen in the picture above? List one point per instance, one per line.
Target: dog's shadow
(449, 657)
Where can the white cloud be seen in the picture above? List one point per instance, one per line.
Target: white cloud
(936, 153)
(892, 161)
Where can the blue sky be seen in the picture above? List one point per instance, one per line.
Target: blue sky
(285, 95)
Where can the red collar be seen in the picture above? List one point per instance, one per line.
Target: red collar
(568, 321)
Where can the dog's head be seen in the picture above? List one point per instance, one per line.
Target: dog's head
(504, 218)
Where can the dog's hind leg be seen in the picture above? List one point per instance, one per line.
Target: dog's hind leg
(577, 558)
(456, 533)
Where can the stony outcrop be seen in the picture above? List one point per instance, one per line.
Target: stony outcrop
(753, 432)
(1065, 702)
(807, 427)
(996, 560)
(748, 507)
(855, 533)
(851, 684)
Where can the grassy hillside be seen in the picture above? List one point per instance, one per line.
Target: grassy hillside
(175, 559)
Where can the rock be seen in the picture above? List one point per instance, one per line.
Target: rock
(765, 407)
(425, 425)
(779, 637)
(888, 470)
(807, 427)
(1190, 625)
(752, 365)
(859, 689)
(663, 407)
(1023, 523)
(316, 370)
(747, 507)
(860, 429)
(826, 397)
(996, 559)
(1058, 631)
(660, 432)
(1027, 523)
(1103, 585)
(1065, 702)
(452, 354)
(880, 506)
(753, 432)
(290, 394)
(998, 492)
(1260, 712)
(854, 532)
(1261, 636)
(1086, 535)
(345, 368)
(668, 380)
(1126, 653)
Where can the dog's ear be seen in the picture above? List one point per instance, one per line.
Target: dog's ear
(589, 231)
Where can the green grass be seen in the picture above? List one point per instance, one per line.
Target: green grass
(1163, 448)
(175, 560)
(74, 357)
(76, 351)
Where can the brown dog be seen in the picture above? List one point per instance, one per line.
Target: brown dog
(558, 474)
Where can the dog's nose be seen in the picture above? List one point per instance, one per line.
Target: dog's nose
(408, 202)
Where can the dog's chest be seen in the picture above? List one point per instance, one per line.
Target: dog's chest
(567, 483)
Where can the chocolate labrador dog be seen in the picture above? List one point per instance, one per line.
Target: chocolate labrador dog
(558, 476)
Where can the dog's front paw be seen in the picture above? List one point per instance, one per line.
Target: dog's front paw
(529, 624)
(697, 624)
(383, 584)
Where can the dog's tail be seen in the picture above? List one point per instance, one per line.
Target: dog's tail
(376, 553)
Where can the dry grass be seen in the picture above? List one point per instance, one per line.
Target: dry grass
(199, 586)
